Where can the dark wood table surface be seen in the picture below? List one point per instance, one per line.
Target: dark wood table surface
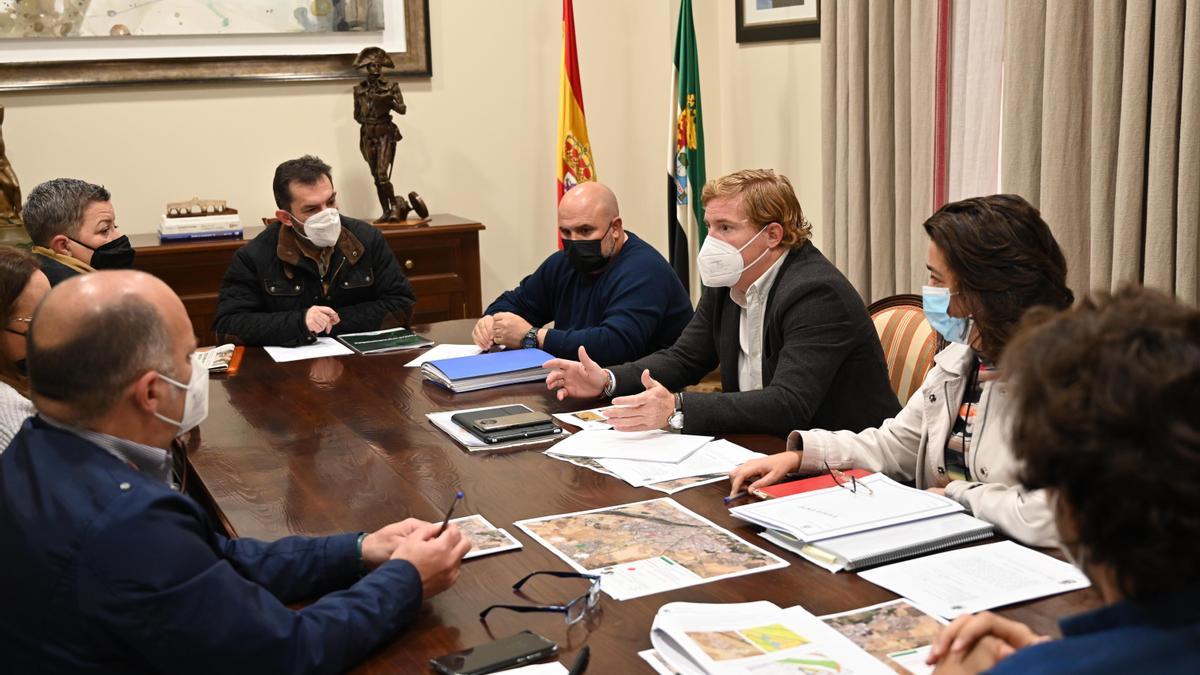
(342, 444)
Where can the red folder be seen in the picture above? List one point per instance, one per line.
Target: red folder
(805, 485)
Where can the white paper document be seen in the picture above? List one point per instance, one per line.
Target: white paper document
(836, 511)
(680, 484)
(470, 441)
(719, 456)
(485, 537)
(324, 346)
(554, 668)
(656, 661)
(973, 579)
(897, 633)
(754, 637)
(648, 547)
(586, 419)
(657, 445)
(444, 352)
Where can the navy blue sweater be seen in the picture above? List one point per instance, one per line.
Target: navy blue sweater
(634, 307)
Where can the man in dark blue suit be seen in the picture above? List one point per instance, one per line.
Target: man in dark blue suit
(107, 568)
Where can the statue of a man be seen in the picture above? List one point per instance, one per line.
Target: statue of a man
(10, 188)
(374, 101)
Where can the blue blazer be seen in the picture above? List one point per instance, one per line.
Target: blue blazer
(105, 570)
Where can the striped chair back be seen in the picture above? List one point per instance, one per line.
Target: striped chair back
(909, 343)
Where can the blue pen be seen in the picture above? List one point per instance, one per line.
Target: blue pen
(739, 495)
(457, 498)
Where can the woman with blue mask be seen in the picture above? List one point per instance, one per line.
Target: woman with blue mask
(990, 259)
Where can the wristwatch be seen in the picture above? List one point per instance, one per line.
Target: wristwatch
(675, 421)
(530, 339)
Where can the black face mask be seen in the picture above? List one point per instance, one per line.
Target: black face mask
(586, 255)
(115, 255)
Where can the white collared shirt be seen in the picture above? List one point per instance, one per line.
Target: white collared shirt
(750, 327)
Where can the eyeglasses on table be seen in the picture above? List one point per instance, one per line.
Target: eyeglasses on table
(575, 610)
(848, 481)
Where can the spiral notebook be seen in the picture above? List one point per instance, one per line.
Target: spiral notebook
(887, 544)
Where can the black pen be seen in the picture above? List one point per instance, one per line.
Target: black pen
(457, 497)
(581, 661)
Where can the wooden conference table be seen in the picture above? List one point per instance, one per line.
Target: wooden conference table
(342, 444)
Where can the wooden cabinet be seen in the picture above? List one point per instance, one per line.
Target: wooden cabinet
(441, 259)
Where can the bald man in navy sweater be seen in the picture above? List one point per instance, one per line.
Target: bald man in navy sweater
(607, 290)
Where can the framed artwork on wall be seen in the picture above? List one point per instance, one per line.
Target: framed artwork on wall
(76, 43)
(767, 20)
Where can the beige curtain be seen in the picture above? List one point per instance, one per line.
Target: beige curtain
(877, 93)
(1101, 129)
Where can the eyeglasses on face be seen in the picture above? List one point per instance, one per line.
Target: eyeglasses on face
(22, 319)
(574, 611)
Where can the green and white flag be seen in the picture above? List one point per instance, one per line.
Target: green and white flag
(685, 170)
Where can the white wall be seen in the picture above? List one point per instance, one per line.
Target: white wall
(479, 135)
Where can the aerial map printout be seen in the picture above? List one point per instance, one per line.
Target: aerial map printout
(648, 547)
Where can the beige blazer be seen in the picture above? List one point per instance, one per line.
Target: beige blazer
(911, 447)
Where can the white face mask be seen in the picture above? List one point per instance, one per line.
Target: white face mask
(323, 229)
(195, 406)
(721, 264)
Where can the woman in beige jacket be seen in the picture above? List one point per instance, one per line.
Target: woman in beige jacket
(989, 260)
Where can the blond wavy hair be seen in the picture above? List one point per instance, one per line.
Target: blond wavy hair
(767, 197)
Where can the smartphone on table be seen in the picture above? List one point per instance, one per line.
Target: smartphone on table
(515, 650)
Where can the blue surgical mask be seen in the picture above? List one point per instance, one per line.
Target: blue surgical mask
(936, 302)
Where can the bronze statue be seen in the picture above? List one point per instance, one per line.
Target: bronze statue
(374, 101)
(10, 187)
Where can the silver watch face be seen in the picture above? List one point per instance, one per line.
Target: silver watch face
(676, 420)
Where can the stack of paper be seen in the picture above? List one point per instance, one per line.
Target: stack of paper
(703, 639)
(658, 460)
(973, 579)
(656, 446)
(882, 521)
(482, 371)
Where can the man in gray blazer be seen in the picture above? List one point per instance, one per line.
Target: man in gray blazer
(795, 345)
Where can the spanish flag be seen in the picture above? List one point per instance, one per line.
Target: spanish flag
(575, 150)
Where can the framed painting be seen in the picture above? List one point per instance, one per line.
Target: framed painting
(765, 20)
(48, 44)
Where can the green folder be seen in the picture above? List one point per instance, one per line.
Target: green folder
(381, 341)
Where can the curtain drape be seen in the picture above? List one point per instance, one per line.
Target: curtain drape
(877, 98)
(1101, 130)
(1098, 124)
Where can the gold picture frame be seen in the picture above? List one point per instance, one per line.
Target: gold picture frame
(416, 61)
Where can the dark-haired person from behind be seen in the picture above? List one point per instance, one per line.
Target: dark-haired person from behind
(73, 227)
(990, 259)
(1105, 398)
(22, 287)
(312, 272)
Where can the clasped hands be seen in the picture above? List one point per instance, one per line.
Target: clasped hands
(502, 329)
(437, 558)
(648, 410)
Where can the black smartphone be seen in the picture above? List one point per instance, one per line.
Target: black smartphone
(502, 422)
(514, 650)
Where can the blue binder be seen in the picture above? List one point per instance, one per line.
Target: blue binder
(493, 363)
